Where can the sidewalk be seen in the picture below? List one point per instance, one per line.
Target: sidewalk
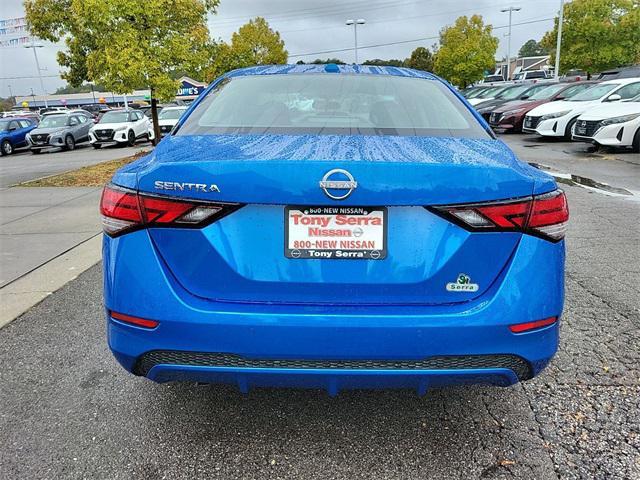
(39, 224)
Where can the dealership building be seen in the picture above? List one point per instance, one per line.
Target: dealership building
(189, 90)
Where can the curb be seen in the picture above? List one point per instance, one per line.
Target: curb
(23, 293)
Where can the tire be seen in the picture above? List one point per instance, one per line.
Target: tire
(36, 151)
(635, 146)
(6, 148)
(69, 143)
(97, 145)
(567, 131)
(131, 138)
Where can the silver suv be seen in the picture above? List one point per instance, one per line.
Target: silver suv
(63, 130)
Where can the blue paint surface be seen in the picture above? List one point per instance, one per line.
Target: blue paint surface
(228, 288)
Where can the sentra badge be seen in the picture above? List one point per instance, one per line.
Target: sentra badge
(462, 284)
(186, 186)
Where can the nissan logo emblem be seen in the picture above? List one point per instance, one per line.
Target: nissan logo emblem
(338, 179)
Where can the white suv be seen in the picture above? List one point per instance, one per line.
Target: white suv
(122, 127)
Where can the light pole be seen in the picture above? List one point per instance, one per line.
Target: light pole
(355, 23)
(34, 46)
(510, 10)
(559, 40)
(10, 91)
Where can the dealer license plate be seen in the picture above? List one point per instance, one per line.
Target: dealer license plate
(336, 232)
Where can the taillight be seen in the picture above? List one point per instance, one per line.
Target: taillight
(528, 326)
(137, 321)
(124, 210)
(541, 215)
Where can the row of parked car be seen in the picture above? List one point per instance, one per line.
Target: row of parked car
(65, 128)
(605, 113)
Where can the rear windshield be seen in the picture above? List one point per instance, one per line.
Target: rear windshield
(332, 104)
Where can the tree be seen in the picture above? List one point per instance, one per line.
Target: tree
(7, 103)
(597, 35)
(255, 43)
(126, 44)
(319, 61)
(531, 48)
(68, 89)
(421, 59)
(394, 62)
(467, 49)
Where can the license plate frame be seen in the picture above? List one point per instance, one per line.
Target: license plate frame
(319, 250)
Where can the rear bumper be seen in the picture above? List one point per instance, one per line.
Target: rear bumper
(332, 347)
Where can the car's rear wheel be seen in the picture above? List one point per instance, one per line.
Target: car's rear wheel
(636, 142)
(131, 138)
(69, 143)
(7, 147)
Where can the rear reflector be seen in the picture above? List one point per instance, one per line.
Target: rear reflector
(138, 322)
(124, 210)
(542, 215)
(525, 327)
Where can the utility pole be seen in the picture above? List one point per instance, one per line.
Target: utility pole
(10, 91)
(355, 24)
(559, 40)
(35, 55)
(510, 10)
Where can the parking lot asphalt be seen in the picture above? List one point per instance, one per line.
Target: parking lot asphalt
(67, 410)
(23, 166)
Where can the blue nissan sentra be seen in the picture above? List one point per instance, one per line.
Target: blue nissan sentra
(333, 227)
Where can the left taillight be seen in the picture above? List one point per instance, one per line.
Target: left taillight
(543, 215)
(124, 210)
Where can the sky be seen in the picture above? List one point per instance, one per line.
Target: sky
(310, 27)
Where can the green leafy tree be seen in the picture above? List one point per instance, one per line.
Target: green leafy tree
(597, 35)
(421, 59)
(68, 89)
(531, 48)
(255, 43)
(394, 62)
(319, 61)
(467, 49)
(126, 44)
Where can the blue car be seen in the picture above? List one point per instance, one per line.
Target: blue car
(333, 227)
(13, 133)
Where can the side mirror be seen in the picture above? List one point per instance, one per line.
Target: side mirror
(12, 129)
(614, 98)
(524, 97)
(558, 98)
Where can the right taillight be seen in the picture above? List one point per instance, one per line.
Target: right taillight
(124, 210)
(541, 215)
